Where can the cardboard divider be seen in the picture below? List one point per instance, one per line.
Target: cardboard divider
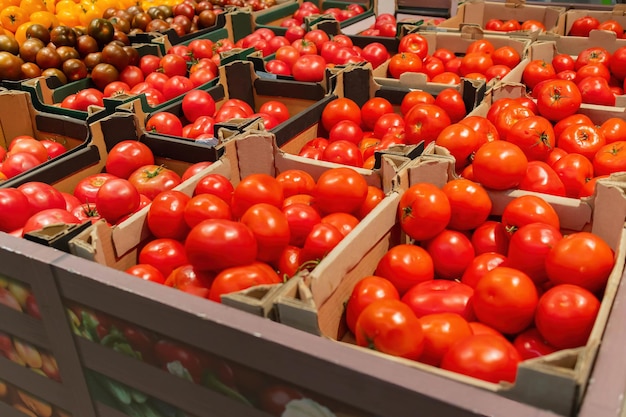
(479, 12)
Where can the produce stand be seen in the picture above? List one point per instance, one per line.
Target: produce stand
(80, 337)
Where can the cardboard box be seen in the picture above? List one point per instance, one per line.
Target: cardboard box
(555, 382)
(479, 12)
(457, 42)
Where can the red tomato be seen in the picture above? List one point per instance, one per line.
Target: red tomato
(270, 228)
(296, 181)
(186, 278)
(275, 108)
(195, 169)
(414, 43)
(53, 148)
(344, 222)
(614, 129)
(388, 123)
(205, 206)
(451, 252)
(440, 296)
(376, 53)
(198, 103)
(301, 219)
(505, 299)
(166, 215)
(373, 109)
(150, 180)
(340, 109)
(216, 244)
(405, 266)
(510, 116)
(309, 68)
(374, 196)
(414, 97)
(507, 56)
(403, 62)
(42, 196)
(486, 130)
(164, 254)
(475, 62)
(530, 344)
(389, 326)
(582, 259)
(322, 238)
(596, 90)
(610, 158)
(542, 178)
(343, 152)
(240, 277)
(480, 265)
(424, 211)
(256, 188)
(528, 209)
(469, 203)
(117, 198)
(557, 99)
(574, 170)
(499, 165)
(87, 188)
(86, 212)
(537, 71)
(461, 141)
(216, 184)
(535, 137)
(47, 217)
(289, 262)
(365, 292)
(146, 272)
(488, 357)
(491, 236)
(165, 123)
(126, 156)
(441, 332)
(340, 190)
(28, 144)
(565, 316)
(424, 122)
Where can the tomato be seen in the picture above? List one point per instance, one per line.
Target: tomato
(565, 315)
(309, 68)
(614, 129)
(322, 238)
(301, 219)
(480, 265)
(542, 178)
(197, 103)
(528, 209)
(507, 56)
(296, 181)
(376, 53)
(270, 228)
(596, 90)
(610, 158)
(491, 236)
(216, 244)
(87, 188)
(612, 25)
(47, 217)
(424, 122)
(344, 222)
(529, 247)
(440, 296)
(441, 332)
(146, 272)
(535, 137)
(405, 266)
(537, 71)
(166, 215)
(414, 97)
(116, 198)
(150, 180)
(373, 109)
(165, 123)
(404, 62)
(275, 108)
(414, 43)
(388, 123)
(287, 54)
(424, 211)
(17, 163)
(389, 326)
(126, 156)
(505, 299)
(340, 190)
(216, 184)
(86, 212)
(475, 62)
(14, 203)
(583, 25)
(494, 24)
(499, 165)
(484, 356)
(574, 119)
(557, 99)
(451, 100)
(574, 170)
(509, 116)
(590, 186)
(583, 259)
(582, 139)
(205, 206)
(461, 141)
(240, 277)
(365, 292)
(289, 262)
(617, 63)
(256, 188)
(340, 109)
(485, 130)
(30, 145)
(343, 152)
(451, 252)
(530, 344)
(42, 196)
(53, 148)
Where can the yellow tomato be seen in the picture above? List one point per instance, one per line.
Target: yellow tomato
(64, 5)
(50, 5)
(68, 17)
(32, 6)
(20, 33)
(87, 14)
(12, 17)
(45, 18)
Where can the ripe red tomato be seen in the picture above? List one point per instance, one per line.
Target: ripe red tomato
(414, 97)
(451, 252)
(405, 266)
(240, 277)
(530, 344)
(389, 326)
(296, 181)
(424, 211)
(87, 188)
(582, 259)
(146, 272)
(340, 190)
(256, 188)
(376, 53)
(484, 356)
(461, 141)
(53, 148)
(424, 122)
(491, 236)
(30, 145)
(374, 196)
(47, 217)
(301, 218)
(528, 209)
(507, 56)
(322, 238)
(441, 332)
(582, 139)
(451, 100)
(216, 244)
(610, 158)
(542, 178)
(557, 99)
(365, 292)
(499, 165)
(309, 68)
(164, 254)
(270, 228)
(126, 156)
(529, 247)
(344, 222)
(485, 129)
(165, 123)
(583, 25)
(535, 137)
(372, 109)
(16, 205)
(574, 170)
(166, 215)
(186, 278)
(205, 206)
(198, 103)
(150, 180)
(404, 62)
(117, 198)
(440, 296)
(565, 315)
(216, 184)
(340, 109)
(505, 299)
(475, 62)
(469, 203)
(414, 43)
(42, 196)
(537, 71)
(480, 265)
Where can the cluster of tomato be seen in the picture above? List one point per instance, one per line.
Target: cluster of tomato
(478, 294)
(226, 238)
(386, 25)
(308, 8)
(25, 152)
(481, 60)
(354, 134)
(585, 24)
(599, 74)
(512, 25)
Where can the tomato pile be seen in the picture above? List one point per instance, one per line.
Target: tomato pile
(226, 238)
(386, 25)
(514, 25)
(308, 8)
(585, 24)
(25, 152)
(477, 294)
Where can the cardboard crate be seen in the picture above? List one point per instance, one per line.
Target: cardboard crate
(19, 117)
(479, 12)
(554, 382)
(457, 41)
(618, 12)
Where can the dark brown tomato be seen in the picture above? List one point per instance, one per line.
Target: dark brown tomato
(122, 37)
(92, 59)
(75, 69)
(86, 44)
(206, 18)
(115, 55)
(48, 57)
(121, 24)
(55, 72)
(103, 74)
(30, 70)
(67, 52)
(39, 31)
(133, 55)
(140, 21)
(9, 44)
(10, 66)
(29, 49)
(63, 36)
(157, 25)
(101, 30)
